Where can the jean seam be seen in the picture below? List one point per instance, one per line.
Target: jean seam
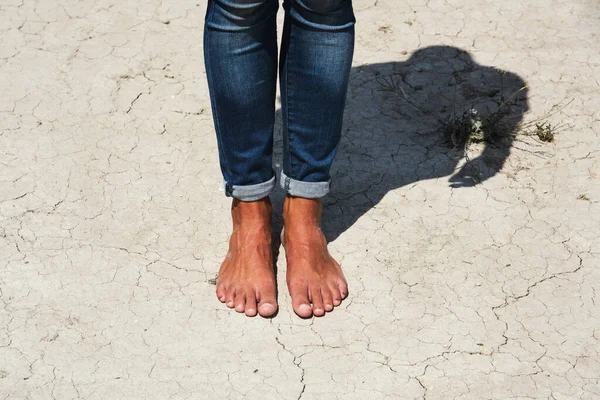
(287, 90)
(209, 13)
(212, 94)
(228, 189)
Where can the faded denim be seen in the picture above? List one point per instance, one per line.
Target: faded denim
(240, 51)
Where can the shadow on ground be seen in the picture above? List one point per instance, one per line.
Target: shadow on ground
(394, 139)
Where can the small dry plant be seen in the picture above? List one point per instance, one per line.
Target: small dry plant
(461, 130)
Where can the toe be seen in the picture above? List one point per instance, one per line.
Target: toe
(266, 309)
(267, 305)
(317, 301)
(343, 288)
(327, 298)
(300, 302)
(250, 308)
(221, 293)
(230, 297)
(336, 296)
(240, 301)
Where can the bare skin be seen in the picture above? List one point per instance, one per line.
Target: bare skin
(315, 280)
(246, 278)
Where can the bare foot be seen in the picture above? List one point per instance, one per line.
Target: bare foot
(246, 279)
(315, 280)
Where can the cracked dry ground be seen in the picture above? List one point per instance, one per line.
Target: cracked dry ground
(112, 224)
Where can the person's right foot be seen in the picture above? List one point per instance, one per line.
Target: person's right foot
(246, 279)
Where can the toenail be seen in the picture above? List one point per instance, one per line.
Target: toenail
(304, 308)
(267, 308)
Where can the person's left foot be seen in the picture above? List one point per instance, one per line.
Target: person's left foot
(315, 280)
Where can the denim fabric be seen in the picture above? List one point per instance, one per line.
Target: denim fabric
(308, 190)
(240, 51)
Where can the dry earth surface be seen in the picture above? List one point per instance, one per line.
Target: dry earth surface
(113, 223)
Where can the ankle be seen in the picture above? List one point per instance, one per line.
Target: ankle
(254, 213)
(299, 211)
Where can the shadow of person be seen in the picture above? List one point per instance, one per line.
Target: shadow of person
(395, 138)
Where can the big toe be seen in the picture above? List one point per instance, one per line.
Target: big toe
(303, 309)
(300, 301)
(267, 306)
(267, 309)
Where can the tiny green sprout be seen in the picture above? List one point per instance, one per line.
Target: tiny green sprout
(544, 132)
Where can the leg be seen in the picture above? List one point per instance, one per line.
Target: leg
(316, 57)
(240, 51)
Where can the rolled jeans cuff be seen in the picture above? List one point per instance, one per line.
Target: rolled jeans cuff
(308, 190)
(250, 192)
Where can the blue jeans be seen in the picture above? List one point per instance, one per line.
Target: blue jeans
(240, 52)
